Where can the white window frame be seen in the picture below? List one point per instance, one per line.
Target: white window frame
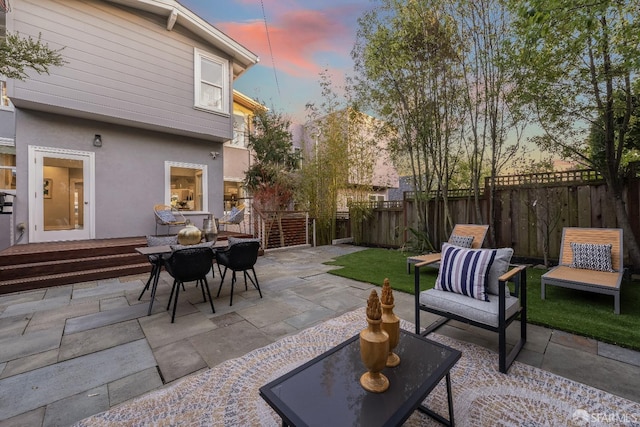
(198, 56)
(239, 139)
(3, 91)
(8, 142)
(205, 183)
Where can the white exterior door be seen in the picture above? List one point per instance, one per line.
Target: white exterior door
(61, 192)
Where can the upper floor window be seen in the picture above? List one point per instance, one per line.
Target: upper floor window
(211, 82)
(239, 131)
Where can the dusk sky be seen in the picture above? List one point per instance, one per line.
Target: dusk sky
(307, 36)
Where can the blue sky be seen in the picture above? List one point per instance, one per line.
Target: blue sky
(307, 36)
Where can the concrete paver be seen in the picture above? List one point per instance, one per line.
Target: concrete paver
(14, 347)
(75, 350)
(49, 384)
(133, 385)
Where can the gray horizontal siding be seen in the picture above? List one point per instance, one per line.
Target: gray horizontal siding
(121, 64)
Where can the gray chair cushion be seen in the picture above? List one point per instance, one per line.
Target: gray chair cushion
(166, 216)
(162, 240)
(500, 266)
(234, 240)
(197, 245)
(485, 312)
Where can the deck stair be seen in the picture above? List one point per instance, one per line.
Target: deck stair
(42, 265)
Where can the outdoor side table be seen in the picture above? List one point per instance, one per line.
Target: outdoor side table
(326, 390)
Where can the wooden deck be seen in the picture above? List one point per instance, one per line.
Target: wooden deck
(41, 265)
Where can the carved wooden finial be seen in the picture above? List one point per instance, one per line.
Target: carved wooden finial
(387, 294)
(374, 311)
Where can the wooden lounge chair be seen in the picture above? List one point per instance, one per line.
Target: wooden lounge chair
(479, 232)
(586, 279)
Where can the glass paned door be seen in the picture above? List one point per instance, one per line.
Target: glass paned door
(61, 182)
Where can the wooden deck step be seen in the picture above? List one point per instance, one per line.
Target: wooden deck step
(60, 266)
(41, 265)
(30, 283)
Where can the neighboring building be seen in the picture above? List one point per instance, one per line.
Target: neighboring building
(384, 175)
(237, 156)
(405, 183)
(134, 118)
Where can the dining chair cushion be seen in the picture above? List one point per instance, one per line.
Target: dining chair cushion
(162, 240)
(235, 240)
(197, 245)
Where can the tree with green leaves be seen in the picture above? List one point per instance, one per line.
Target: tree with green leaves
(492, 134)
(272, 179)
(576, 65)
(18, 54)
(408, 70)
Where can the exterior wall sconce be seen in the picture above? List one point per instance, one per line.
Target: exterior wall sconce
(97, 141)
(214, 154)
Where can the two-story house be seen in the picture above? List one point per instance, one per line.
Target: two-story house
(135, 117)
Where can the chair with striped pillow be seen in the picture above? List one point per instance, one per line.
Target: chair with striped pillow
(472, 287)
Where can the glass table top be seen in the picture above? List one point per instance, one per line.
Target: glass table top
(327, 390)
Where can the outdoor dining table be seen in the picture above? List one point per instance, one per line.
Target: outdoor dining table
(157, 267)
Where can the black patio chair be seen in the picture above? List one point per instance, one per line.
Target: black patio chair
(239, 257)
(156, 260)
(189, 265)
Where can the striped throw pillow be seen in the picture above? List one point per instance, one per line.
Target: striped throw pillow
(465, 271)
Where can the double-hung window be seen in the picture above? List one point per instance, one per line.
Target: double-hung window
(211, 82)
(239, 131)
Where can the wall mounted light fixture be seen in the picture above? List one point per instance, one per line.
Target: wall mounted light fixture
(214, 154)
(97, 141)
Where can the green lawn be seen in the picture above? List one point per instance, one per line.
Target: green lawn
(582, 313)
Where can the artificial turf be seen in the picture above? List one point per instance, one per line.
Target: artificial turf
(579, 312)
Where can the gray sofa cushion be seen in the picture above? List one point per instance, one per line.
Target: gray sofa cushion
(485, 312)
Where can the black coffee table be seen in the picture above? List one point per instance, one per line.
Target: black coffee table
(326, 391)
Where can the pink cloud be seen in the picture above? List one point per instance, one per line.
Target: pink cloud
(296, 38)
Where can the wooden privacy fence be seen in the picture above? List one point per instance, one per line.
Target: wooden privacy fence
(526, 207)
